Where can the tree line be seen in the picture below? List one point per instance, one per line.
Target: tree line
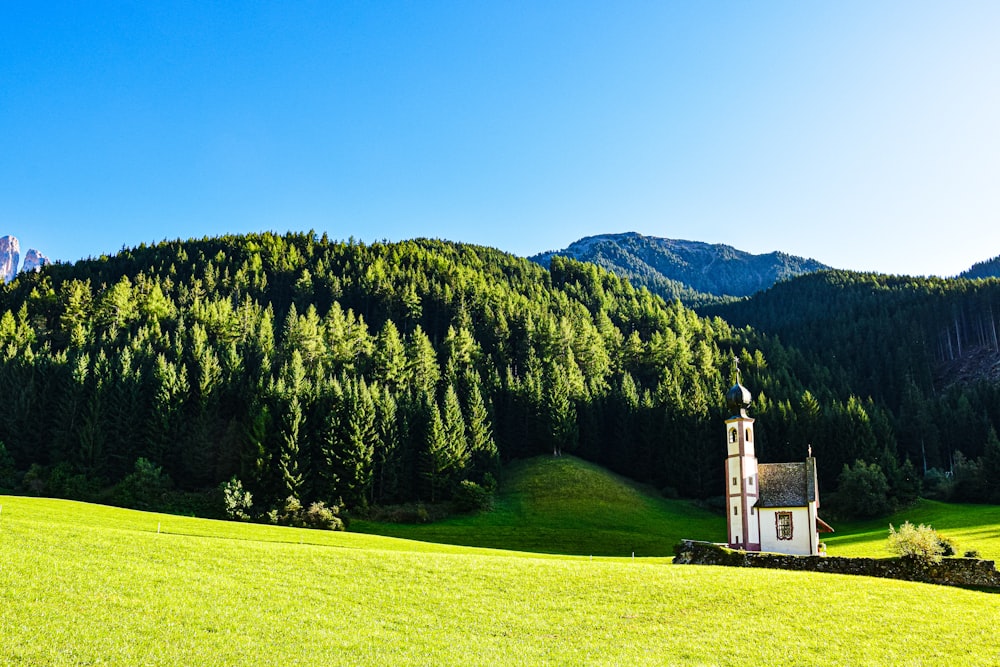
(375, 374)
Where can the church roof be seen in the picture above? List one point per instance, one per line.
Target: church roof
(787, 484)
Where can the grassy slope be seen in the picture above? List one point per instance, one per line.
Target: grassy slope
(970, 526)
(568, 506)
(83, 584)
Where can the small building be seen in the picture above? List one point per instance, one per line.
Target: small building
(771, 506)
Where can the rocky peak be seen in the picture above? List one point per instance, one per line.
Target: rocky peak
(34, 260)
(10, 256)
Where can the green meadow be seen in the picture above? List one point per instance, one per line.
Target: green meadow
(568, 506)
(85, 584)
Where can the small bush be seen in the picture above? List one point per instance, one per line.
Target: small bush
(948, 546)
(470, 497)
(417, 512)
(318, 515)
(64, 483)
(324, 518)
(921, 542)
(143, 489)
(972, 553)
(237, 501)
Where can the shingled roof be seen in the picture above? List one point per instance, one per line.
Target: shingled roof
(787, 484)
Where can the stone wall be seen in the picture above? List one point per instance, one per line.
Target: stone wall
(948, 571)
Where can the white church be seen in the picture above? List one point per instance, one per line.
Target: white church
(772, 507)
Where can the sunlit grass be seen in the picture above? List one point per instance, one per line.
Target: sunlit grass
(568, 506)
(83, 584)
(972, 527)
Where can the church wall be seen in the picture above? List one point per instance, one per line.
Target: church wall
(801, 540)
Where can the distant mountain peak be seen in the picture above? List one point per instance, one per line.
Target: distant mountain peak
(10, 258)
(689, 270)
(989, 268)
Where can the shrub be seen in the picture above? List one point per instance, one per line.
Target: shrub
(317, 516)
(63, 483)
(408, 513)
(470, 497)
(324, 518)
(237, 501)
(144, 488)
(948, 546)
(921, 542)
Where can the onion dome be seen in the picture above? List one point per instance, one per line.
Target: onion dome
(738, 399)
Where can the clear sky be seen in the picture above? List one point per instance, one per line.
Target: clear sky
(863, 134)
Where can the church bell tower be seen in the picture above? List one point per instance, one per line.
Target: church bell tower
(741, 469)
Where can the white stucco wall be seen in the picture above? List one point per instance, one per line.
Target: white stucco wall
(801, 526)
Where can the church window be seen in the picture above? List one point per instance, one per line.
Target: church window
(753, 511)
(736, 481)
(750, 480)
(736, 510)
(749, 435)
(783, 525)
(732, 435)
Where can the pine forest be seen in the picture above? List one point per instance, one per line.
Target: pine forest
(372, 375)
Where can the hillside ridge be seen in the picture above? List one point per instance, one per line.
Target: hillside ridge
(692, 271)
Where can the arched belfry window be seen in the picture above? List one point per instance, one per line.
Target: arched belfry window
(732, 435)
(749, 435)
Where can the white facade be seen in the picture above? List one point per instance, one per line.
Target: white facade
(788, 530)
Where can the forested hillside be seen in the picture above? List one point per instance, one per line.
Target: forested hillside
(376, 374)
(989, 268)
(925, 349)
(694, 272)
(386, 373)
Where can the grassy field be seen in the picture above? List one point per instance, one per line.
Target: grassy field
(568, 506)
(85, 584)
(972, 527)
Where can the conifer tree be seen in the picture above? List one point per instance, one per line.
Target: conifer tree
(484, 456)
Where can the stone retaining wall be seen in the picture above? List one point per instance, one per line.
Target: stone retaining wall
(948, 571)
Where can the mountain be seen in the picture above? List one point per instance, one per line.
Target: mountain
(34, 260)
(692, 271)
(10, 257)
(989, 268)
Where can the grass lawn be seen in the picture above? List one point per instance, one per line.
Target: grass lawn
(569, 506)
(970, 526)
(83, 584)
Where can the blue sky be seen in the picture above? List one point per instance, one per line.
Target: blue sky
(863, 134)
